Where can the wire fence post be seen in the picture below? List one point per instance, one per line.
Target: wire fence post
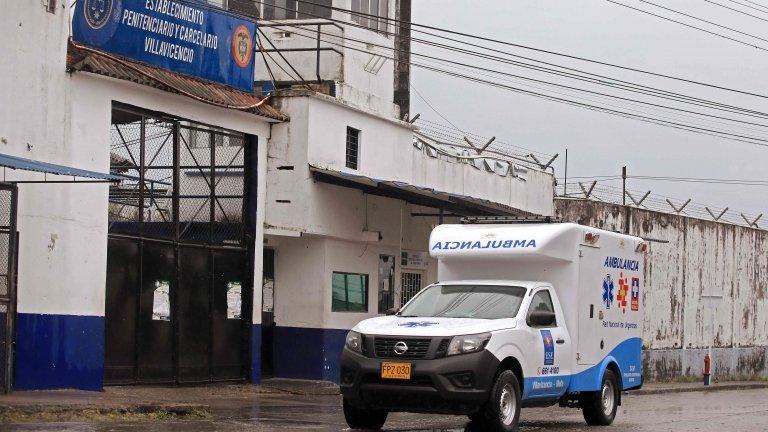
(624, 185)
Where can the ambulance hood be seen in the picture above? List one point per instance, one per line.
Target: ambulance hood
(424, 326)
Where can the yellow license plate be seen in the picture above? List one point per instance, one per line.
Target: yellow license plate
(390, 370)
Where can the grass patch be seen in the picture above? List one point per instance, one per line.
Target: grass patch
(48, 414)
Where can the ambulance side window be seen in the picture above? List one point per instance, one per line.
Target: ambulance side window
(542, 302)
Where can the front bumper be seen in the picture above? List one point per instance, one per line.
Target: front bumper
(435, 386)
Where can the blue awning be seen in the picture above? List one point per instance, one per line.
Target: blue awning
(15, 162)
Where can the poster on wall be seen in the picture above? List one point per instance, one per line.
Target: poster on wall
(234, 300)
(161, 301)
(268, 296)
(188, 38)
(414, 259)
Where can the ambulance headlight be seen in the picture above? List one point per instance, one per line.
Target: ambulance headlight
(468, 344)
(354, 342)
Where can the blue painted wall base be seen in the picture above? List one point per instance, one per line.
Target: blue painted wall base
(255, 353)
(59, 351)
(308, 353)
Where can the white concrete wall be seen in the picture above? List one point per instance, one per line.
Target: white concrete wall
(317, 135)
(50, 116)
(62, 243)
(300, 34)
(305, 265)
(91, 106)
(358, 81)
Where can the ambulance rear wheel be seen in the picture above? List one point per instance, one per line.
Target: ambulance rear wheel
(361, 418)
(600, 407)
(502, 411)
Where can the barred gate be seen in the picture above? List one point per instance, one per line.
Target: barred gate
(178, 274)
(8, 246)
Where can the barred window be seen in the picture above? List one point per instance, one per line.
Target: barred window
(410, 284)
(377, 8)
(293, 9)
(353, 148)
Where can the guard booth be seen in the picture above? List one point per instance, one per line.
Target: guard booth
(179, 264)
(15, 171)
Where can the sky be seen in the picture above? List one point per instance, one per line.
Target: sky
(600, 144)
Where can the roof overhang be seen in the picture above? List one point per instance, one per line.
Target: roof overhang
(423, 196)
(19, 163)
(86, 59)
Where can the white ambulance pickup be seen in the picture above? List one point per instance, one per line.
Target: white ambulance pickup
(523, 315)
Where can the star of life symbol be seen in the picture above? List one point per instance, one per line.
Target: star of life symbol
(608, 291)
(414, 324)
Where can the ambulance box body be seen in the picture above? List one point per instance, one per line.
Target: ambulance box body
(523, 314)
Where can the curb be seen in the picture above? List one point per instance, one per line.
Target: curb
(707, 389)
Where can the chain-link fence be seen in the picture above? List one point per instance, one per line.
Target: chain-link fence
(185, 181)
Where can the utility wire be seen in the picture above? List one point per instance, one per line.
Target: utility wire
(736, 10)
(600, 80)
(760, 8)
(526, 47)
(703, 20)
(720, 35)
(418, 93)
(540, 81)
(632, 87)
(666, 122)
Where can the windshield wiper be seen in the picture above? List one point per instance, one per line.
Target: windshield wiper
(409, 316)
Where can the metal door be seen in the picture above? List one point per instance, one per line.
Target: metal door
(386, 283)
(591, 307)
(230, 306)
(194, 311)
(178, 287)
(121, 306)
(268, 313)
(8, 247)
(155, 332)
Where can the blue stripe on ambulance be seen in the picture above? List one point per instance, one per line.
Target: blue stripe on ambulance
(627, 355)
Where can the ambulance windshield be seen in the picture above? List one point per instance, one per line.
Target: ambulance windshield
(466, 301)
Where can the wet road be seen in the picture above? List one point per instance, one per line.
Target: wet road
(744, 410)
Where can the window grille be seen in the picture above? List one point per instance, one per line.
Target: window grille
(411, 284)
(353, 148)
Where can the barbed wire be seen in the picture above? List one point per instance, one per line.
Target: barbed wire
(647, 200)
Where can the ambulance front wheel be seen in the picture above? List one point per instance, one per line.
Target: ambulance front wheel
(600, 407)
(502, 411)
(360, 418)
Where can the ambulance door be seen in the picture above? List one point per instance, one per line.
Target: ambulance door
(549, 349)
(595, 287)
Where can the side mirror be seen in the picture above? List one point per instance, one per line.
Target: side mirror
(541, 319)
(392, 311)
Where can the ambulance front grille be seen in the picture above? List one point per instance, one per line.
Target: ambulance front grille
(417, 348)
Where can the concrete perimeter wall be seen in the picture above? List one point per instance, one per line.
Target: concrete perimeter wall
(707, 285)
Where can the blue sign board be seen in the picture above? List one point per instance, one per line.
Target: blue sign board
(189, 38)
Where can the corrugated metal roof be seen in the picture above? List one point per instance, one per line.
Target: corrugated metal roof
(86, 59)
(420, 195)
(15, 162)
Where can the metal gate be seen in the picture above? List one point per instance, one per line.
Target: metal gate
(178, 306)
(8, 246)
